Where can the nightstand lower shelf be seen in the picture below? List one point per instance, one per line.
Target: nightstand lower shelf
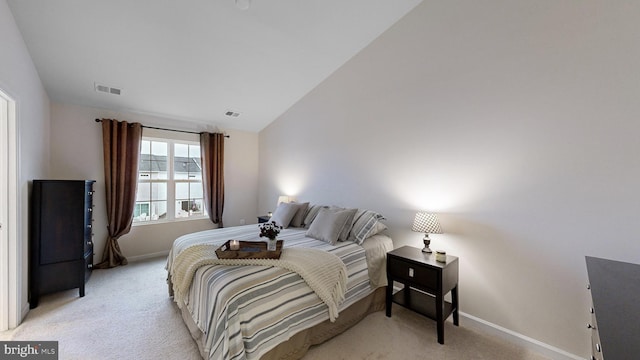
(421, 302)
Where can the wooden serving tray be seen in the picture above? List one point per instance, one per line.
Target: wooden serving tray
(249, 250)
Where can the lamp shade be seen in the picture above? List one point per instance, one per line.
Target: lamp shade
(427, 223)
(285, 199)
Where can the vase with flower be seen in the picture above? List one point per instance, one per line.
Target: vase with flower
(270, 230)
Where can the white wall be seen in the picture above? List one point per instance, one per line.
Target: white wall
(19, 79)
(517, 121)
(76, 153)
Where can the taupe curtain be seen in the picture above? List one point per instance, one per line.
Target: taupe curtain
(121, 146)
(212, 155)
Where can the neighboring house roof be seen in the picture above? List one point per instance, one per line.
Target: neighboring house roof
(158, 163)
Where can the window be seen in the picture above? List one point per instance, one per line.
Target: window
(169, 181)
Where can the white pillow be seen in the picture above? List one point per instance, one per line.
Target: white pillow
(283, 214)
(328, 224)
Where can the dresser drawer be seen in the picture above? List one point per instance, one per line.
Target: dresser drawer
(88, 265)
(417, 275)
(88, 242)
(596, 349)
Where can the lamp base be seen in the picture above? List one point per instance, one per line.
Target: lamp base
(426, 242)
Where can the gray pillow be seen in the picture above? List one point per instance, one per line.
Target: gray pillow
(344, 234)
(366, 223)
(328, 225)
(284, 213)
(301, 211)
(311, 215)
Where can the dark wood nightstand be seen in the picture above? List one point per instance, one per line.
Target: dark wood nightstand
(263, 219)
(426, 282)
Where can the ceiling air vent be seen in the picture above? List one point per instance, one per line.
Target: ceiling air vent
(107, 89)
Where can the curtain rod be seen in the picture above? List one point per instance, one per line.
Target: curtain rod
(159, 128)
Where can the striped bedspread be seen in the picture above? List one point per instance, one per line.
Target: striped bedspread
(244, 311)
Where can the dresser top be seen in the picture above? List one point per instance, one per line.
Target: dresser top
(62, 181)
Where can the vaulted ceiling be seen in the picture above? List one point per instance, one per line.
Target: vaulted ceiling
(195, 60)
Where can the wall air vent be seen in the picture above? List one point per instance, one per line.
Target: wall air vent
(107, 89)
(232, 113)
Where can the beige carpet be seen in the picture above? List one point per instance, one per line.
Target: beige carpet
(127, 314)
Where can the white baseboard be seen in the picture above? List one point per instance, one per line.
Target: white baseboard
(25, 310)
(147, 256)
(517, 338)
(511, 336)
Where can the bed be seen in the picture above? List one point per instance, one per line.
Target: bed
(262, 311)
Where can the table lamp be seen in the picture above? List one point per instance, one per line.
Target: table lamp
(426, 223)
(284, 199)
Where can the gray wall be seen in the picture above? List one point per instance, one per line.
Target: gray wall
(516, 121)
(19, 79)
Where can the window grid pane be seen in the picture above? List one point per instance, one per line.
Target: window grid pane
(155, 177)
(189, 200)
(187, 162)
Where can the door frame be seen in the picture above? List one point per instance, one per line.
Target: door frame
(10, 210)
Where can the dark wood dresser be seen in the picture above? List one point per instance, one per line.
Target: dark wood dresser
(615, 315)
(61, 245)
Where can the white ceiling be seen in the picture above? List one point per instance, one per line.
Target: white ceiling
(193, 60)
